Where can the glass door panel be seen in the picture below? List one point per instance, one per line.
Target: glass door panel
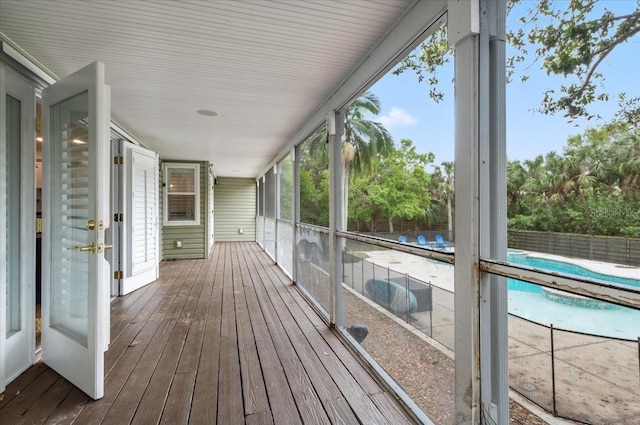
(70, 175)
(12, 167)
(17, 247)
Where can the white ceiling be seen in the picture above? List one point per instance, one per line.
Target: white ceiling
(263, 66)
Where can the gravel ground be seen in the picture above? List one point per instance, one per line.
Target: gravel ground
(425, 373)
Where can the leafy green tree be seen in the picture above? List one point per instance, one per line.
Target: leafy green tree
(591, 188)
(314, 183)
(437, 212)
(364, 142)
(573, 39)
(396, 189)
(627, 156)
(286, 189)
(361, 209)
(516, 175)
(569, 39)
(448, 168)
(443, 194)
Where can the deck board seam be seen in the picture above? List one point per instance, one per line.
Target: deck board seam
(171, 353)
(143, 354)
(265, 302)
(276, 275)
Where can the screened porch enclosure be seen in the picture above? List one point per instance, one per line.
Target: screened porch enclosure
(310, 323)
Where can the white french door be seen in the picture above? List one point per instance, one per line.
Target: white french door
(17, 252)
(139, 244)
(75, 292)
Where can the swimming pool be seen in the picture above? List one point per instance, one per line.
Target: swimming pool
(531, 302)
(569, 268)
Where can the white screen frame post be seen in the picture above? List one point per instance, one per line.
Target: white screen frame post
(3, 226)
(481, 383)
(335, 130)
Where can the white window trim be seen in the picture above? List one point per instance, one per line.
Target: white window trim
(165, 175)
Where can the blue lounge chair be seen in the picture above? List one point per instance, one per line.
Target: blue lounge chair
(402, 238)
(421, 240)
(442, 243)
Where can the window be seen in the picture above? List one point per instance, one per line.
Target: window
(181, 194)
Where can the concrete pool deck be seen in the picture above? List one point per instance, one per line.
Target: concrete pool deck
(597, 379)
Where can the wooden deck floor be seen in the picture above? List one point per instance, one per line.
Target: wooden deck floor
(227, 340)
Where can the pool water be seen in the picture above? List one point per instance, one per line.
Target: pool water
(594, 317)
(568, 268)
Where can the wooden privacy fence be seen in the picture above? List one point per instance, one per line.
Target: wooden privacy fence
(611, 249)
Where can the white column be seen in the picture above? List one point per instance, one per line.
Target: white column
(485, 194)
(296, 212)
(466, 274)
(335, 129)
(499, 407)
(276, 181)
(476, 32)
(463, 32)
(263, 194)
(3, 226)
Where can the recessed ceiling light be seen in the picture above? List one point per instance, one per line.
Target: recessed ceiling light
(207, 112)
(38, 139)
(235, 171)
(79, 142)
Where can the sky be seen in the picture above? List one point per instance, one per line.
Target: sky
(408, 112)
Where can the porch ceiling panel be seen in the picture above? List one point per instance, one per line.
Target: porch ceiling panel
(263, 66)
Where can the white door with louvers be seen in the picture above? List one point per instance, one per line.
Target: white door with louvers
(75, 295)
(140, 220)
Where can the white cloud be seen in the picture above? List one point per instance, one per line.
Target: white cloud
(397, 118)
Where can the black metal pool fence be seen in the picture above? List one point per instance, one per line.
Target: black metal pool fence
(560, 370)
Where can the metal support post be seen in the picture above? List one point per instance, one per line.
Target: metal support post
(408, 299)
(3, 223)
(296, 213)
(362, 277)
(335, 129)
(431, 312)
(463, 30)
(498, 211)
(553, 373)
(353, 275)
(276, 182)
(476, 31)
(488, 409)
(264, 211)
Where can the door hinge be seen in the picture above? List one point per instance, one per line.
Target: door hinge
(117, 160)
(117, 218)
(118, 274)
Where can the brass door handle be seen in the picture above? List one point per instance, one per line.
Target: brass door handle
(91, 248)
(102, 247)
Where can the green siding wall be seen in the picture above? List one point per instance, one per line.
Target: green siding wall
(194, 238)
(160, 208)
(235, 208)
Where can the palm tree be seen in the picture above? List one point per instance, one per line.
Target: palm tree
(449, 188)
(363, 142)
(628, 158)
(516, 176)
